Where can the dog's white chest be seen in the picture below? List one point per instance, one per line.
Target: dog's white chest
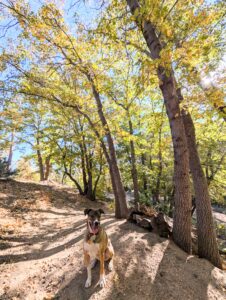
(92, 249)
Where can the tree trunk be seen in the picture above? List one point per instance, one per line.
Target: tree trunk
(182, 212)
(115, 191)
(40, 161)
(157, 188)
(62, 179)
(75, 182)
(83, 150)
(145, 183)
(133, 166)
(182, 200)
(98, 177)
(207, 243)
(84, 178)
(106, 154)
(86, 161)
(122, 212)
(90, 177)
(47, 167)
(68, 173)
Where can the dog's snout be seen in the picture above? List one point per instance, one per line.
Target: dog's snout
(96, 223)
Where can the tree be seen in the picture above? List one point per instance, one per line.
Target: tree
(172, 95)
(58, 39)
(167, 84)
(207, 245)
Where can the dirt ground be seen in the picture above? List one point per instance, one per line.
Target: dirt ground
(41, 234)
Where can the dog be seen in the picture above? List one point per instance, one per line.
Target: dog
(97, 246)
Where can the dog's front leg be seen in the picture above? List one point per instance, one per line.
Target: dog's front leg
(87, 263)
(102, 281)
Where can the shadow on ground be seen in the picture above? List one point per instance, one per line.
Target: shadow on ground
(146, 267)
(48, 251)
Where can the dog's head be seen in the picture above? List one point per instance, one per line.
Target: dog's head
(93, 219)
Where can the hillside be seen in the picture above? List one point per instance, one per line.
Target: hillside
(41, 237)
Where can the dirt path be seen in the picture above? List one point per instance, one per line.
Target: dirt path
(41, 237)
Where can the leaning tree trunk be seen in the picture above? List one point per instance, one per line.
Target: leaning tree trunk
(182, 196)
(114, 170)
(47, 167)
(115, 191)
(117, 179)
(90, 177)
(40, 162)
(134, 167)
(98, 177)
(207, 243)
(107, 156)
(83, 165)
(182, 212)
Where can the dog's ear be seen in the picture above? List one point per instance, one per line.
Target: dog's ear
(86, 211)
(101, 211)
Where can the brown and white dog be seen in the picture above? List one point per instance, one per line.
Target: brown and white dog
(97, 245)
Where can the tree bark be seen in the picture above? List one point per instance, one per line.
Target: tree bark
(98, 177)
(167, 84)
(90, 176)
(133, 166)
(159, 176)
(82, 147)
(145, 183)
(122, 212)
(207, 243)
(106, 154)
(84, 178)
(40, 161)
(47, 167)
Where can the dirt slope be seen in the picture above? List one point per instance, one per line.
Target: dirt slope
(41, 237)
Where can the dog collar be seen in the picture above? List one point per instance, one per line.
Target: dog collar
(93, 237)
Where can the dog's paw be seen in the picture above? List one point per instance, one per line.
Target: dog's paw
(110, 265)
(102, 282)
(88, 283)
